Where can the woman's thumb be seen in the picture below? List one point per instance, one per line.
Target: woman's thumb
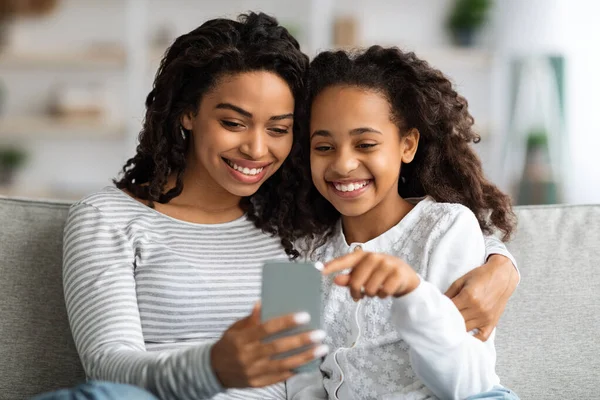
(255, 315)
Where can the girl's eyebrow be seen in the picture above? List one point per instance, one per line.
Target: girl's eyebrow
(364, 129)
(353, 132)
(320, 132)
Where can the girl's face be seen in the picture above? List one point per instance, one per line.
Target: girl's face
(242, 131)
(356, 151)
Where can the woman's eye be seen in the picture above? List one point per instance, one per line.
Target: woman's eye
(230, 124)
(280, 131)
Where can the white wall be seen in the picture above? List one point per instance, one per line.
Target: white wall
(571, 28)
(405, 23)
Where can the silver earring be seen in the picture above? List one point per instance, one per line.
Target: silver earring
(183, 135)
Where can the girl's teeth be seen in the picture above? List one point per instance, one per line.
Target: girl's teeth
(351, 187)
(245, 170)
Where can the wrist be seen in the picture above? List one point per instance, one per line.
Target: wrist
(214, 366)
(411, 284)
(505, 266)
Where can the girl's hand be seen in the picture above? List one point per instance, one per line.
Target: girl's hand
(482, 294)
(242, 358)
(373, 274)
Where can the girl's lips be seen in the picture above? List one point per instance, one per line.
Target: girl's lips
(363, 186)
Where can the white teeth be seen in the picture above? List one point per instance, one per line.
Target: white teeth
(245, 170)
(350, 187)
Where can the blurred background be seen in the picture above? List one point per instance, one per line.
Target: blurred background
(74, 75)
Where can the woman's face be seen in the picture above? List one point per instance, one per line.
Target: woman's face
(242, 131)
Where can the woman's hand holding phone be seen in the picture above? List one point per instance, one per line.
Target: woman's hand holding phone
(244, 358)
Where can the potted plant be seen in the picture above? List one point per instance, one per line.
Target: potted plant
(538, 184)
(466, 18)
(10, 160)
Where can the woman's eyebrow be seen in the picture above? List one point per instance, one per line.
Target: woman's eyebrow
(239, 110)
(248, 114)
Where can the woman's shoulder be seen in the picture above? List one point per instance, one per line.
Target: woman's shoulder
(109, 204)
(107, 196)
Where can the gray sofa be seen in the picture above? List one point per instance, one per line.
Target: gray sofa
(548, 340)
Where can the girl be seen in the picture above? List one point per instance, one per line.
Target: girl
(400, 201)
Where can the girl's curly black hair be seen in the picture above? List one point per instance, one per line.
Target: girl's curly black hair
(191, 67)
(445, 166)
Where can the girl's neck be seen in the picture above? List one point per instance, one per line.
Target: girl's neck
(375, 222)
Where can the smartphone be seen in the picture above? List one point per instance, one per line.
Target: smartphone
(290, 287)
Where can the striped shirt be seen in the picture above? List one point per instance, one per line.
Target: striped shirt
(147, 295)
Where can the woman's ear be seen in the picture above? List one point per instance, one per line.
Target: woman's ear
(410, 143)
(187, 121)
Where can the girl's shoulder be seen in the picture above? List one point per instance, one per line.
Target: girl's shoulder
(443, 214)
(430, 221)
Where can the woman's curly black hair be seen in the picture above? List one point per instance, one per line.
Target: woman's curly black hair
(190, 68)
(445, 166)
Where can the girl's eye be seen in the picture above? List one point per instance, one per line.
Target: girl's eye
(366, 145)
(323, 148)
(230, 124)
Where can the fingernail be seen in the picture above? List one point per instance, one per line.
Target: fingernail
(302, 318)
(321, 351)
(319, 266)
(317, 336)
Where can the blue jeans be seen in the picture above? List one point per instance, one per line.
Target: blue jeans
(497, 393)
(95, 390)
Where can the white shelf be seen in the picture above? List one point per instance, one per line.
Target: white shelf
(84, 60)
(81, 60)
(457, 56)
(47, 126)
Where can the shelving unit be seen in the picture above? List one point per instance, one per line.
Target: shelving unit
(59, 60)
(32, 127)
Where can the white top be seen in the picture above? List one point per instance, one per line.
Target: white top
(416, 346)
(147, 295)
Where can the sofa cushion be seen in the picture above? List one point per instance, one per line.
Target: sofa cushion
(547, 341)
(36, 347)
